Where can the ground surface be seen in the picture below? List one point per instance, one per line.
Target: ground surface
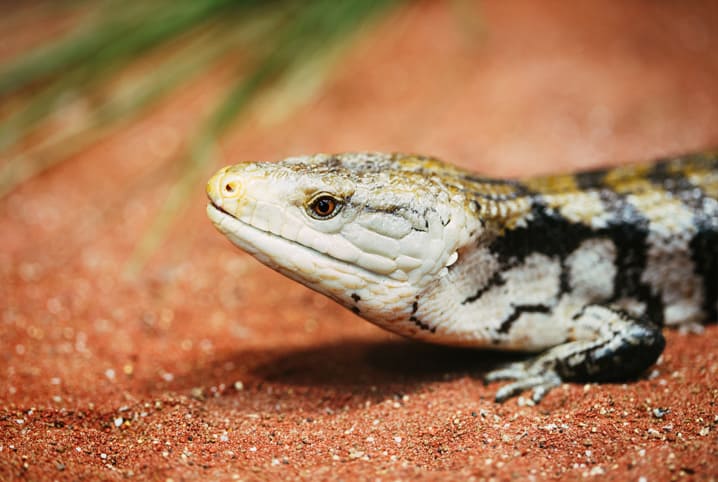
(209, 366)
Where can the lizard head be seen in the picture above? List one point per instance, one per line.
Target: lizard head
(369, 230)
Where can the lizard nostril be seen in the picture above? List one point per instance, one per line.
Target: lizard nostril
(225, 186)
(231, 187)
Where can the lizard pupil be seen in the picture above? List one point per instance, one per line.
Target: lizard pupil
(324, 206)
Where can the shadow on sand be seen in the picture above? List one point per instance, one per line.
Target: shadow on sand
(370, 369)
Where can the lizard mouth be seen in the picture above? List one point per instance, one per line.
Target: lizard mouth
(219, 208)
(269, 248)
(275, 250)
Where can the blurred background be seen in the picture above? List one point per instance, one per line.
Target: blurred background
(118, 296)
(152, 96)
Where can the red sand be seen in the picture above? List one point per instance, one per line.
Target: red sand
(211, 366)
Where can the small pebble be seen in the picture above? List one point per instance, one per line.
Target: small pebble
(660, 412)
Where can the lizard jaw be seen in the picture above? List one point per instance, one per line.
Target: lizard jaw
(319, 271)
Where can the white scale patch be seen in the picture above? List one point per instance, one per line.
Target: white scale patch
(670, 270)
(536, 281)
(592, 270)
(580, 207)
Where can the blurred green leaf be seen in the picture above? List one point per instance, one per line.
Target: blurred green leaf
(88, 67)
(312, 33)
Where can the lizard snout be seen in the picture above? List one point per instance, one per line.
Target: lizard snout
(224, 187)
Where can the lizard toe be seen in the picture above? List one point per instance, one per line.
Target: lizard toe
(540, 383)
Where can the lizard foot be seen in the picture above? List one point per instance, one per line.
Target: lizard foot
(618, 346)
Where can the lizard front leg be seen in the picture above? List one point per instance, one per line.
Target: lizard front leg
(622, 347)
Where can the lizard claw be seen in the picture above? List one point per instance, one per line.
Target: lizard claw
(524, 379)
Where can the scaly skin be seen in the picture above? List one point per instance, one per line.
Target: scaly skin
(583, 269)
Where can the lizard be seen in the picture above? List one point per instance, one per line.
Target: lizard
(581, 270)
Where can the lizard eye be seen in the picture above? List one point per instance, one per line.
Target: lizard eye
(324, 206)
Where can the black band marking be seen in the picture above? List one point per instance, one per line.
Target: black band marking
(496, 280)
(520, 310)
(629, 230)
(552, 235)
(547, 233)
(422, 325)
(705, 258)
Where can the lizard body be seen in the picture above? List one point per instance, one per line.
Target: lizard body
(582, 269)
